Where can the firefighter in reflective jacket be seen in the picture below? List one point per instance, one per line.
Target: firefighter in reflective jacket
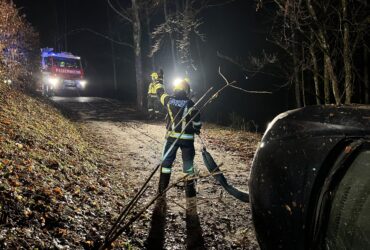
(153, 103)
(180, 112)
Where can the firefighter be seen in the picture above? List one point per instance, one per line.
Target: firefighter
(153, 103)
(179, 106)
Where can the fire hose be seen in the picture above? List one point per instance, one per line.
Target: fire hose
(219, 176)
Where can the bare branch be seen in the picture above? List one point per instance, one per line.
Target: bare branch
(231, 84)
(120, 13)
(101, 35)
(251, 91)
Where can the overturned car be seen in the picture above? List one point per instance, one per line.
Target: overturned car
(310, 180)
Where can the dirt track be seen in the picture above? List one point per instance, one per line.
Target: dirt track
(133, 147)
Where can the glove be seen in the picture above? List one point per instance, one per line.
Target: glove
(197, 132)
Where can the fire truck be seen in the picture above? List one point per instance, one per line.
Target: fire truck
(61, 71)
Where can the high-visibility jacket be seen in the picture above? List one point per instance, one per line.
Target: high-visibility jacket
(152, 89)
(179, 108)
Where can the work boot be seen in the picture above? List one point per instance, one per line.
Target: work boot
(164, 180)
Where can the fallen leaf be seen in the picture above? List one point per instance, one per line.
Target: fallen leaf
(58, 191)
(27, 212)
(62, 231)
(6, 121)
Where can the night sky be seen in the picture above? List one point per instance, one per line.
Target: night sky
(233, 29)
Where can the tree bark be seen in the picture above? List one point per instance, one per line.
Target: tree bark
(203, 75)
(172, 41)
(346, 54)
(150, 43)
(136, 26)
(315, 72)
(302, 80)
(366, 74)
(297, 89)
(326, 81)
(326, 49)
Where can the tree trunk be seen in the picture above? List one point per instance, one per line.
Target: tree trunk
(150, 43)
(114, 65)
(346, 54)
(185, 51)
(172, 41)
(315, 72)
(326, 49)
(326, 81)
(297, 89)
(302, 80)
(65, 27)
(136, 27)
(334, 80)
(56, 29)
(366, 74)
(203, 75)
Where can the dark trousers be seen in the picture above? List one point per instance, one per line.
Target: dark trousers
(154, 106)
(169, 156)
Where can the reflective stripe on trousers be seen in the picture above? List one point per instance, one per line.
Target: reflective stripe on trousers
(181, 136)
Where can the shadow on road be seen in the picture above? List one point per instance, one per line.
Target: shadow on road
(157, 227)
(156, 237)
(194, 239)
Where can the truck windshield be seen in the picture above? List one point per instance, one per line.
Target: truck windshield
(66, 63)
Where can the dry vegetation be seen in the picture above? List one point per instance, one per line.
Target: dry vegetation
(50, 191)
(18, 47)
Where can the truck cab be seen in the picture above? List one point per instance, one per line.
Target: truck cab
(61, 71)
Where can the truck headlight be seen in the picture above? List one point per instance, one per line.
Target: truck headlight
(53, 81)
(83, 83)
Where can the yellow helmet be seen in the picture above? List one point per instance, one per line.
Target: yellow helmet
(154, 76)
(181, 85)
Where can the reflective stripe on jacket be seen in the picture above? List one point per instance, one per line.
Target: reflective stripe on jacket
(180, 112)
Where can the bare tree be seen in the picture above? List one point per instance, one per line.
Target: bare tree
(346, 53)
(133, 15)
(330, 33)
(315, 72)
(182, 27)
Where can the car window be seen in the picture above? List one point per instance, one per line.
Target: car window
(349, 219)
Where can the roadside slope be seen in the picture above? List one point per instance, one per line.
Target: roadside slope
(50, 192)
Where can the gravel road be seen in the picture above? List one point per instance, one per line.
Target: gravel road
(133, 147)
